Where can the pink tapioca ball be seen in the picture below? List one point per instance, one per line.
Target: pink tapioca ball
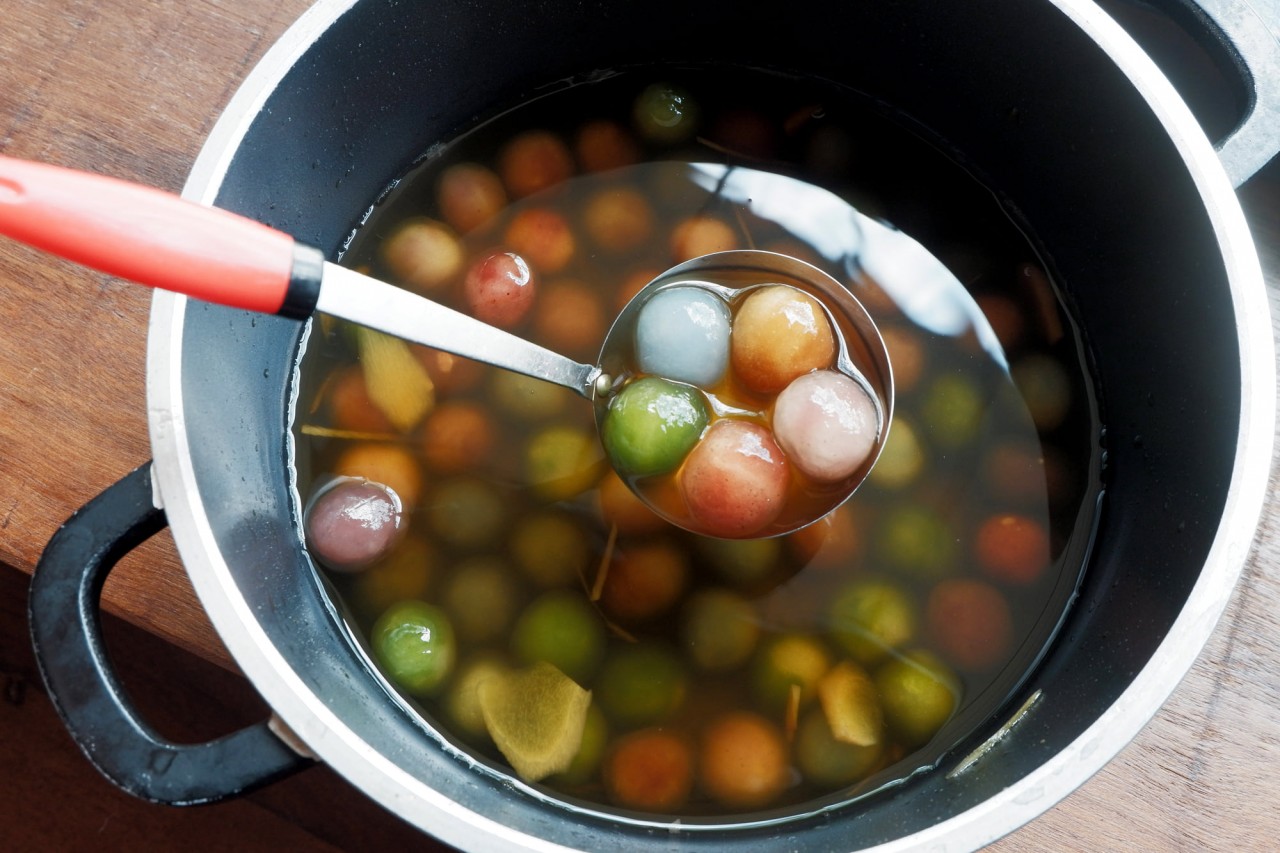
(826, 424)
(734, 482)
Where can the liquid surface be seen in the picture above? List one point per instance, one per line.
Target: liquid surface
(582, 643)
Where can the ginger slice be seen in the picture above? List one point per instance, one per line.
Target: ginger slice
(397, 382)
(851, 705)
(536, 718)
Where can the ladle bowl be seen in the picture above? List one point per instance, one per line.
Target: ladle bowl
(861, 355)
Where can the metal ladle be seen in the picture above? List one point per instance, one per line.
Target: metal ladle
(158, 239)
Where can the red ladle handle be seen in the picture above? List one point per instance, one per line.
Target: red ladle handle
(158, 239)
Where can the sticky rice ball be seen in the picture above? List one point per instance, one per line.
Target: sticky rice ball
(826, 424)
(734, 482)
(352, 523)
(780, 333)
(652, 425)
(535, 160)
(470, 195)
(499, 289)
(423, 254)
(682, 333)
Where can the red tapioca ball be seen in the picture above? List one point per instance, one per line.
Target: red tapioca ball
(1012, 548)
(971, 622)
(499, 289)
(734, 482)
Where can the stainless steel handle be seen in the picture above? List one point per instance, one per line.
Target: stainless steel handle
(1249, 31)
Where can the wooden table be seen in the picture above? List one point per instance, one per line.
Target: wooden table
(131, 89)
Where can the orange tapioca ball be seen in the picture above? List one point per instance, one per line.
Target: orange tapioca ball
(456, 436)
(451, 374)
(570, 319)
(542, 237)
(533, 161)
(350, 407)
(743, 760)
(389, 464)
(906, 354)
(702, 235)
(831, 541)
(779, 333)
(633, 284)
(620, 506)
(644, 580)
(602, 145)
(650, 770)
(618, 219)
(423, 254)
(469, 195)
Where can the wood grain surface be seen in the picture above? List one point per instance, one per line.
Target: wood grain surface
(131, 89)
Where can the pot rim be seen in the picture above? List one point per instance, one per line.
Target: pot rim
(414, 800)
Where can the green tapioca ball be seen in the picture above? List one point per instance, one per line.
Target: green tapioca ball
(652, 425)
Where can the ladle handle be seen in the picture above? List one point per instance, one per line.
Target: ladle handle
(158, 239)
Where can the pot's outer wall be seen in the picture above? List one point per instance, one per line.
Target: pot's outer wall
(1037, 111)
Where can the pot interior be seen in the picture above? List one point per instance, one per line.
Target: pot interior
(1021, 97)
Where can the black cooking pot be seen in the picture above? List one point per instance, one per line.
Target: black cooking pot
(1048, 103)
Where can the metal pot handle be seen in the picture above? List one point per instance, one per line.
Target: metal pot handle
(1252, 42)
(66, 632)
